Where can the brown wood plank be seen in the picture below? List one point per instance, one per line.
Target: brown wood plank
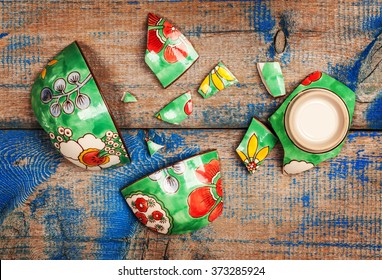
(113, 37)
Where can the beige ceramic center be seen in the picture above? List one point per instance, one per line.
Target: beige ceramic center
(317, 120)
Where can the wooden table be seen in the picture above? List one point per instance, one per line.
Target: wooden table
(51, 209)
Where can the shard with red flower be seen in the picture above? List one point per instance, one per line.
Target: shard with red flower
(169, 54)
(207, 200)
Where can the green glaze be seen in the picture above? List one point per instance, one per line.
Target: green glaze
(128, 97)
(177, 110)
(295, 159)
(153, 147)
(272, 77)
(257, 143)
(181, 198)
(218, 79)
(169, 54)
(70, 108)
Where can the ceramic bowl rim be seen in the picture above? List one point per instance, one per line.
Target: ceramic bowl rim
(287, 125)
(167, 166)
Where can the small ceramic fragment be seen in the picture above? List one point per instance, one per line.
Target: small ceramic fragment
(180, 198)
(128, 98)
(313, 121)
(272, 77)
(169, 54)
(152, 146)
(68, 103)
(218, 79)
(177, 110)
(257, 143)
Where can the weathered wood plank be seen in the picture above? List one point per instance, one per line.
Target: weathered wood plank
(112, 34)
(330, 212)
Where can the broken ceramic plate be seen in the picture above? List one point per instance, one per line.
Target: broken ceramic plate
(69, 106)
(313, 121)
(218, 79)
(272, 77)
(169, 54)
(180, 198)
(257, 143)
(177, 110)
(152, 146)
(128, 98)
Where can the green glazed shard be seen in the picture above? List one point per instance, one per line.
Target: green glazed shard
(181, 198)
(177, 110)
(152, 146)
(169, 54)
(128, 98)
(313, 121)
(70, 108)
(218, 79)
(272, 77)
(257, 143)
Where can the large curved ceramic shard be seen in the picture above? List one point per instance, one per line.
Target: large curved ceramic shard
(177, 110)
(168, 54)
(69, 106)
(312, 123)
(180, 198)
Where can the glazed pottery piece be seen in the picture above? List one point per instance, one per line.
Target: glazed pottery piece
(70, 108)
(181, 198)
(152, 146)
(128, 98)
(272, 77)
(257, 143)
(169, 54)
(177, 110)
(218, 79)
(313, 122)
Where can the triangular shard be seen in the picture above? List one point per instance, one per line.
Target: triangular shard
(218, 79)
(168, 54)
(272, 78)
(153, 147)
(177, 110)
(128, 98)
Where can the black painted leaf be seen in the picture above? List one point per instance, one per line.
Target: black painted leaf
(46, 95)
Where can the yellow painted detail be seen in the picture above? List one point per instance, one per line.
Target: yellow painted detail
(252, 146)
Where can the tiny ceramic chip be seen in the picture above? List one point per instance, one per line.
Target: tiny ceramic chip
(128, 98)
(177, 110)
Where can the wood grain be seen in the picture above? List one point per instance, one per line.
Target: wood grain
(330, 212)
(113, 37)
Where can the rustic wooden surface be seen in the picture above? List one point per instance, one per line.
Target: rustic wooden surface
(50, 209)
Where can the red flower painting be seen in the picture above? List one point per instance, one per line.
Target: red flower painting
(315, 76)
(161, 33)
(207, 200)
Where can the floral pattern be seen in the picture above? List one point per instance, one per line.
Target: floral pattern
(207, 200)
(168, 183)
(149, 212)
(88, 151)
(253, 157)
(162, 34)
(315, 76)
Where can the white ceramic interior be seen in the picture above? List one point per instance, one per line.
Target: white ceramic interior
(317, 120)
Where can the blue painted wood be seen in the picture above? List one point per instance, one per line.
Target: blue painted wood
(75, 214)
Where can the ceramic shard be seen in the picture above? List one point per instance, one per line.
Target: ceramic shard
(168, 54)
(257, 143)
(152, 146)
(218, 79)
(67, 103)
(177, 110)
(272, 77)
(128, 98)
(313, 121)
